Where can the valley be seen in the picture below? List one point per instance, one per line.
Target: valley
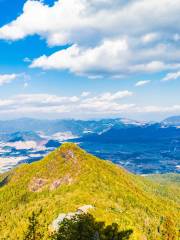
(139, 147)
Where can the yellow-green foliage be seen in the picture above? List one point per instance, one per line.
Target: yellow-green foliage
(133, 202)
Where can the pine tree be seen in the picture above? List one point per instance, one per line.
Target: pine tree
(33, 232)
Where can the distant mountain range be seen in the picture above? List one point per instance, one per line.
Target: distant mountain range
(140, 147)
(132, 133)
(76, 127)
(175, 120)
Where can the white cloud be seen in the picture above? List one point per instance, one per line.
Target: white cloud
(85, 94)
(171, 76)
(105, 104)
(7, 78)
(106, 37)
(150, 37)
(68, 20)
(114, 56)
(107, 57)
(154, 66)
(45, 103)
(116, 96)
(142, 83)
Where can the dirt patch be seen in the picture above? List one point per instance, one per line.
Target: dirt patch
(62, 181)
(69, 154)
(37, 184)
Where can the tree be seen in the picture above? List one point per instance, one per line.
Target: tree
(33, 230)
(84, 227)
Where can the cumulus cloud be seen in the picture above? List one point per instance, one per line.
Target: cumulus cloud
(107, 57)
(7, 78)
(67, 20)
(111, 57)
(104, 104)
(105, 36)
(142, 83)
(46, 103)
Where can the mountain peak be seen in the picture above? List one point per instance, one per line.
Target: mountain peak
(68, 178)
(69, 146)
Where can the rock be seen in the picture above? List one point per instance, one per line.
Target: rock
(55, 184)
(69, 154)
(37, 184)
(55, 224)
(85, 208)
(64, 180)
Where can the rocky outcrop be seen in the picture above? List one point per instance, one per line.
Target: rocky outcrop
(37, 184)
(81, 210)
(64, 180)
(84, 209)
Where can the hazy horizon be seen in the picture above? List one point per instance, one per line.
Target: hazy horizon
(88, 119)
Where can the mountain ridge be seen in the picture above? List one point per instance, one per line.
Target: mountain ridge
(68, 178)
(77, 127)
(173, 120)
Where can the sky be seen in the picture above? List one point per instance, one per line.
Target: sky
(90, 59)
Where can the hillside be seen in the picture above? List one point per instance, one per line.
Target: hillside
(170, 180)
(69, 178)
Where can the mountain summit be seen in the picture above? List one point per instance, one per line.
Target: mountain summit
(69, 178)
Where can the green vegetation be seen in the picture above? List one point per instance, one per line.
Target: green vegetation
(69, 178)
(170, 179)
(78, 227)
(85, 227)
(33, 229)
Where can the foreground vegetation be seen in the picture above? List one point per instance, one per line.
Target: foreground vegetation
(78, 227)
(69, 178)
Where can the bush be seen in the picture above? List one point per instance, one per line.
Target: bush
(33, 230)
(84, 227)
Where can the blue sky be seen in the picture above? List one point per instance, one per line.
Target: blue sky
(89, 59)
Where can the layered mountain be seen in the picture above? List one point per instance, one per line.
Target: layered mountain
(143, 149)
(20, 136)
(140, 147)
(174, 120)
(69, 178)
(76, 127)
(144, 133)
